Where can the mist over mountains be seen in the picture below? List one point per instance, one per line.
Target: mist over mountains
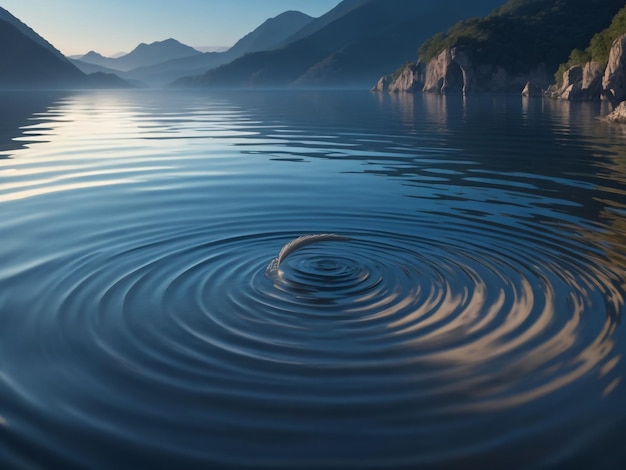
(143, 55)
(160, 63)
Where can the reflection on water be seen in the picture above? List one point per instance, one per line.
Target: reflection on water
(472, 319)
(17, 109)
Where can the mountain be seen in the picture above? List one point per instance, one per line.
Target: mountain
(348, 46)
(93, 58)
(88, 67)
(29, 61)
(143, 55)
(340, 10)
(108, 78)
(29, 33)
(523, 41)
(269, 35)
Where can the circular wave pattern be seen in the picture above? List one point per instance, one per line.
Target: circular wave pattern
(395, 331)
(433, 338)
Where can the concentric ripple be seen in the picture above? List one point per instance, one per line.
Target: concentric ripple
(141, 329)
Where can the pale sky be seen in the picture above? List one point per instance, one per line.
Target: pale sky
(111, 26)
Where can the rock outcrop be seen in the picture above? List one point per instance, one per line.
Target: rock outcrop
(444, 75)
(614, 81)
(382, 85)
(571, 88)
(530, 90)
(618, 114)
(595, 81)
(411, 79)
(454, 71)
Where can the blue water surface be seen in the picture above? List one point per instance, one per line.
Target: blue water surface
(472, 320)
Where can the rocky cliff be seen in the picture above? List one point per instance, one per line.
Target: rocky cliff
(618, 115)
(455, 70)
(614, 81)
(595, 81)
(518, 46)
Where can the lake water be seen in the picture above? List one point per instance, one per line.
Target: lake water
(474, 318)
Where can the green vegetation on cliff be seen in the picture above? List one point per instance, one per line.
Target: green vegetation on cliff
(599, 47)
(524, 34)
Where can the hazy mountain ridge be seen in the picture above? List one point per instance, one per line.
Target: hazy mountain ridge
(350, 45)
(143, 55)
(87, 67)
(269, 35)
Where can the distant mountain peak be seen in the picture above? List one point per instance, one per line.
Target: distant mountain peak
(143, 55)
(170, 43)
(92, 55)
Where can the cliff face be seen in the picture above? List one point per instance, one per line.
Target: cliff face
(595, 81)
(455, 71)
(523, 42)
(614, 81)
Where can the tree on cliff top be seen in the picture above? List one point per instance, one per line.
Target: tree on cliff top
(599, 47)
(524, 34)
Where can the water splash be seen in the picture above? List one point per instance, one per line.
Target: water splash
(300, 242)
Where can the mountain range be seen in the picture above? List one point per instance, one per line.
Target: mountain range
(142, 56)
(348, 46)
(482, 45)
(160, 63)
